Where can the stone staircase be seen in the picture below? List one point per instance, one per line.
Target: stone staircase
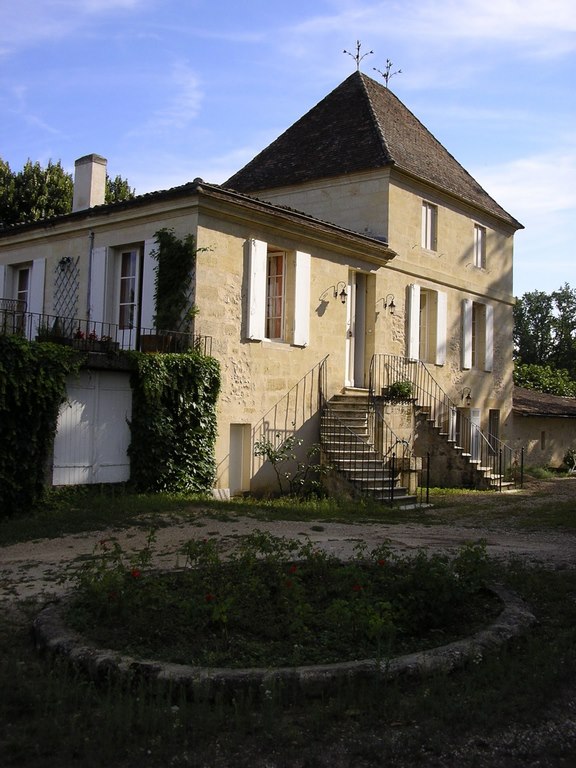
(459, 468)
(345, 439)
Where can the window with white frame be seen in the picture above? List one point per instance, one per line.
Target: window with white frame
(427, 323)
(278, 294)
(429, 226)
(22, 284)
(275, 295)
(479, 246)
(477, 335)
(127, 281)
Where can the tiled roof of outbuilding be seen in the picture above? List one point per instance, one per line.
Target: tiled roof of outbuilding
(360, 126)
(528, 402)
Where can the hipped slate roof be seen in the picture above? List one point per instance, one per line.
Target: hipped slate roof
(360, 126)
(528, 402)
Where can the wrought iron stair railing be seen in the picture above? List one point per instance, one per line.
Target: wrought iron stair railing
(490, 455)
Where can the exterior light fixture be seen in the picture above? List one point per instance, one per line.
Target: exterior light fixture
(342, 294)
(388, 302)
(466, 396)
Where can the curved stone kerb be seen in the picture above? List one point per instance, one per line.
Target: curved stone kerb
(52, 635)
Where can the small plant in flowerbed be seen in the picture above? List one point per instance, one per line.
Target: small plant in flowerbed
(278, 602)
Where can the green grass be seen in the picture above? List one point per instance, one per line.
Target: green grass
(84, 509)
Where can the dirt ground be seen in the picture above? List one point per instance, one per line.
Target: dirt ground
(44, 568)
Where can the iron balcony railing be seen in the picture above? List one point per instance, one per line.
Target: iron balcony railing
(90, 336)
(487, 451)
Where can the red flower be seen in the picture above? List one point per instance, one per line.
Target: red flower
(135, 573)
(288, 584)
(381, 562)
(357, 587)
(209, 597)
(293, 569)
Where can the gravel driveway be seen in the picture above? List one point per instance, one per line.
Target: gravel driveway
(43, 568)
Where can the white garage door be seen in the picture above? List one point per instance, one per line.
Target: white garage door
(93, 436)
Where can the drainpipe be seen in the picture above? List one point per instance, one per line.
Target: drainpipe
(89, 289)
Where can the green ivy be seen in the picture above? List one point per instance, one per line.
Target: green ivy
(173, 422)
(32, 387)
(173, 281)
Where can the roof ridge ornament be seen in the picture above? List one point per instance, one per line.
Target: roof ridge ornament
(356, 56)
(387, 75)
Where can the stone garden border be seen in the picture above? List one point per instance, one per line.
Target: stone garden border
(205, 684)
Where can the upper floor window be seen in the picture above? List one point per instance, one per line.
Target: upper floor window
(275, 293)
(479, 247)
(128, 264)
(429, 226)
(278, 294)
(22, 285)
(477, 335)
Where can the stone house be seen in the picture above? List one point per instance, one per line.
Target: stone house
(352, 256)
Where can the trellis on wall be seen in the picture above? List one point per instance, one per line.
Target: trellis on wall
(66, 287)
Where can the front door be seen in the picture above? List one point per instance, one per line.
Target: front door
(356, 331)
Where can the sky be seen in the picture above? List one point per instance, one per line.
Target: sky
(172, 90)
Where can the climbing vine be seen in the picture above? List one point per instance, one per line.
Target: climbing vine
(173, 422)
(173, 281)
(32, 387)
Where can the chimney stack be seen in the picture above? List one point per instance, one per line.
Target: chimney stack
(89, 182)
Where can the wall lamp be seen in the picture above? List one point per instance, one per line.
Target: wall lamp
(343, 295)
(466, 395)
(388, 303)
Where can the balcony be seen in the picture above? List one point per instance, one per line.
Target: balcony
(89, 336)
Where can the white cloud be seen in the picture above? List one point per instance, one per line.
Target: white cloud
(536, 185)
(183, 98)
(541, 28)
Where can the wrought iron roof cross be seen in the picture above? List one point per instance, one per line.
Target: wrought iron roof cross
(356, 56)
(387, 75)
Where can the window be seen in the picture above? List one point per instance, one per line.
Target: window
(128, 285)
(275, 288)
(429, 226)
(22, 287)
(479, 247)
(477, 335)
(278, 294)
(427, 324)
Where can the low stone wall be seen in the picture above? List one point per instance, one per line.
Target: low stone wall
(205, 684)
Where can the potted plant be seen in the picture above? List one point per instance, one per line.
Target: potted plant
(53, 332)
(398, 392)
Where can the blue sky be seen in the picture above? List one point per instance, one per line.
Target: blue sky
(169, 90)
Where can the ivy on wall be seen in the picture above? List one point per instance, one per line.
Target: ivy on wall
(173, 422)
(32, 387)
(173, 280)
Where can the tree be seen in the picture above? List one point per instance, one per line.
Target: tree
(545, 341)
(533, 322)
(37, 193)
(564, 328)
(118, 189)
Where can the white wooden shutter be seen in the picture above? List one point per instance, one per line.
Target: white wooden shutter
(302, 300)
(36, 294)
(257, 265)
(148, 308)
(3, 289)
(441, 323)
(98, 275)
(489, 337)
(413, 322)
(466, 333)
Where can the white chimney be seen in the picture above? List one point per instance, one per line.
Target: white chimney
(89, 182)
